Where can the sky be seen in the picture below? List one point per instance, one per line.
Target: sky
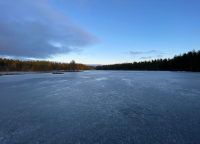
(98, 31)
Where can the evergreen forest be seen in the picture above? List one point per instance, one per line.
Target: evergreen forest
(184, 62)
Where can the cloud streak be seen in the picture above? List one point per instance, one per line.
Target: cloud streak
(152, 53)
(149, 57)
(148, 52)
(34, 29)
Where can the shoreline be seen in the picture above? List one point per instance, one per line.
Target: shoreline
(63, 72)
(32, 72)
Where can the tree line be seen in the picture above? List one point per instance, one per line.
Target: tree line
(17, 65)
(184, 62)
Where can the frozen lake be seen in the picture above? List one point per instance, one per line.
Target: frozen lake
(100, 107)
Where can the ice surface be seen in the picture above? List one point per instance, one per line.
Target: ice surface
(100, 107)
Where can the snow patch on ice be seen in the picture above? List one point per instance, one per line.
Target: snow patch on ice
(41, 88)
(78, 82)
(62, 80)
(14, 86)
(97, 94)
(44, 82)
(51, 95)
(84, 77)
(100, 79)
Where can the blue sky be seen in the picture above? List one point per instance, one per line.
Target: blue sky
(98, 31)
